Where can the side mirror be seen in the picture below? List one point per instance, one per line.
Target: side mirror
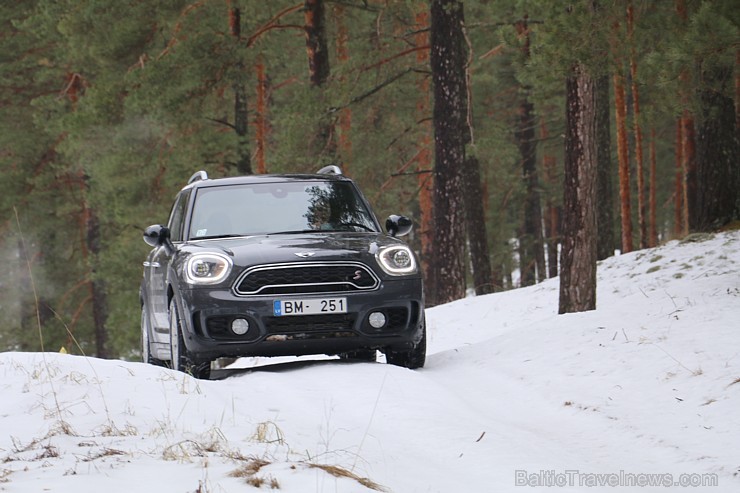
(156, 235)
(398, 225)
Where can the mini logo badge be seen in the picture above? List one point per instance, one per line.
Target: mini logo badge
(304, 254)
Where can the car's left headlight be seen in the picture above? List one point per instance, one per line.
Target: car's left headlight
(207, 268)
(397, 260)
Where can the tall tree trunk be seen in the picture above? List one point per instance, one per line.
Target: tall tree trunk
(605, 191)
(624, 162)
(578, 257)
(345, 114)
(448, 74)
(678, 221)
(689, 141)
(424, 162)
(653, 192)
(323, 145)
(531, 252)
(261, 116)
(718, 168)
(552, 212)
(475, 222)
(689, 171)
(97, 286)
(316, 47)
(241, 109)
(91, 253)
(641, 203)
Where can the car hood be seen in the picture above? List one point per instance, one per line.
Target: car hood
(248, 251)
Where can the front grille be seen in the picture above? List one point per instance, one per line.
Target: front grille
(306, 278)
(310, 323)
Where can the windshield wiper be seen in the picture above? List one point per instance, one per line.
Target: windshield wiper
(216, 237)
(295, 232)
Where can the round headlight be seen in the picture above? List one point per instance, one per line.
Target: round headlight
(207, 268)
(401, 258)
(397, 260)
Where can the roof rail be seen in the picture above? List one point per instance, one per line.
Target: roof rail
(332, 169)
(200, 175)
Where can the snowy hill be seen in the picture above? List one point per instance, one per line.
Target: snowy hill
(513, 398)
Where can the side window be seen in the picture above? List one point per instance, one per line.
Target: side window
(177, 216)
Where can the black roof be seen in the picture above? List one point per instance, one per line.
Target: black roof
(252, 179)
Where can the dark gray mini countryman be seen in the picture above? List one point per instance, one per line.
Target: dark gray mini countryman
(276, 265)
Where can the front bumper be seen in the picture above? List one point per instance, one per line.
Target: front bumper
(208, 314)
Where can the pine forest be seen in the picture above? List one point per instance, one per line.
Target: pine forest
(527, 139)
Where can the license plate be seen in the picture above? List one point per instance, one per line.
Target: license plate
(309, 306)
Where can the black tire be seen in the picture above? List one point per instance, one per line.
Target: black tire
(182, 360)
(412, 358)
(146, 349)
(366, 355)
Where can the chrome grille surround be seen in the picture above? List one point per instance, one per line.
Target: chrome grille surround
(306, 278)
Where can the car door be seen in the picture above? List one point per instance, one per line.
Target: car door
(159, 261)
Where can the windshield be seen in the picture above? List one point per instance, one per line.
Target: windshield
(274, 208)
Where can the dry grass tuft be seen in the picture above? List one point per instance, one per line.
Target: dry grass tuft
(249, 472)
(268, 432)
(106, 452)
(251, 468)
(340, 472)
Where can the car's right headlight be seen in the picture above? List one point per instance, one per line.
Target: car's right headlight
(207, 268)
(397, 260)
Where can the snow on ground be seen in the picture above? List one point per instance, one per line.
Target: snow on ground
(514, 398)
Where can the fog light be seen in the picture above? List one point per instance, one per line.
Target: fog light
(377, 320)
(240, 326)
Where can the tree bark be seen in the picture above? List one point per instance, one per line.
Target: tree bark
(717, 158)
(241, 109)
(691, 212)
(448, 74)
(624, 163)
(688, 144)
(323, 145)
(97, 286)
(531, 249)
(653, 200)
(679, 213)
(316, 47)
(345, 114)
(578, 256)
(91, 253)
(641, 203)
(261, 116)
(552, 211)
(475, 222)
(424, 162)
(605, 191)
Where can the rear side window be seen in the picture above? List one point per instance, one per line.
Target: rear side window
(177, 216)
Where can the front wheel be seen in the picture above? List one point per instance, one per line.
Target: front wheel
(412, 358)
(182, 360)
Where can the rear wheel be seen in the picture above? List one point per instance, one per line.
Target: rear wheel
(146, 348)
(367, 355)
(413, 357)
(182, 359)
